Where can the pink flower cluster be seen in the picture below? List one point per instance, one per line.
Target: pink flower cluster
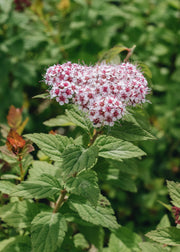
(102, 91)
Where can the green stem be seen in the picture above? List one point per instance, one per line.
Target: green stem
(95, 135)
(60, 201)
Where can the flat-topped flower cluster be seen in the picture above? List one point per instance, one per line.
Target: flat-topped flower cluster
(102, 91)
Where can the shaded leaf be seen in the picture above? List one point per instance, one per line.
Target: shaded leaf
(19, 214)
(16, 244)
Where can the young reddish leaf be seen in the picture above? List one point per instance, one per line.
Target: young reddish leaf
(15, 142)
(14, 117)
(22, 126)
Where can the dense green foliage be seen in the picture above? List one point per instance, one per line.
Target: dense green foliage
(54, 31)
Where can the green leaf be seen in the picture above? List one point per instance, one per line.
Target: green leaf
(166, 235)
(124, 239)
(113, 148)
(112, 53)
(125, 182)
(174, 191)
(43, 96)
(80, 241)
(76, 159)
(152, 247)
(61, 120)
(16, 244)
(128, 166)
(85, 185)
(6, 187)
(6, 6)
(79, 118)
(48, 231)
(164, 222)
(51, 145)
(102, 214)
(145, 69)
(94, 235)
(130, 131)
(44, 186)
(19, 214)
(41, 167)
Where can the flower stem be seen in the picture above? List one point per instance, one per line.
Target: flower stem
(60, 201)
(95, 135)
(131, 50)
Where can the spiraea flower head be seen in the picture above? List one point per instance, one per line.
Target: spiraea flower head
(102, 91)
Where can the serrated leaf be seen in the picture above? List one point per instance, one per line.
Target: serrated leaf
(113, 148)
(76, 159)
(167, 235)
(16, 244)
(45, 186)
(152, 247)
(102, 215)
(61, 120)
(85, 185)
(130, 131)
(41, 167)
(79, 118)
(19, 214)
(6, 187)
(51, 145)
(174, 191)
(48, 231)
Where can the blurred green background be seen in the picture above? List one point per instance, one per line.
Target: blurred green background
(55, 31)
